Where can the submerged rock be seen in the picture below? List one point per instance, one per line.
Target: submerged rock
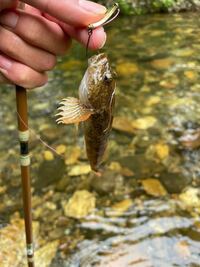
(174, 182)
(45, 254)
(109, 182)
(49, 172)
(163, 63)
(48, 155)
(159, 151)
(61, 149)
(153, 100)
(80, 170)
(123, 124)
(81, 204)
(126, 68)
(153, 187)
(144, 122)
(118, 209)
(141, 166)
(72, 155)
(190, 197)
(12, 243)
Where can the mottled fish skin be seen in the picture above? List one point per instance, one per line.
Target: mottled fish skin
(97, 91)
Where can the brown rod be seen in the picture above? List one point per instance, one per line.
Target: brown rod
(22, 112)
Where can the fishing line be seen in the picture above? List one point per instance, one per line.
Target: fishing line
(110, 15)
(90, 32)
(39, 138)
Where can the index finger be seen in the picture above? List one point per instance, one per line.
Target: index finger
(78, 13)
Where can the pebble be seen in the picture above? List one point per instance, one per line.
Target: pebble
(119, 208)
(190, 197)
(80, 170)
(191, 75)
(153, 187)
(45, 254)
(174, 182)
(153, 100)
(163, 63)
(72, 155)
(126, 68)
(61, 149)
(48, 155)
(158, 151)
(123, 124)
(110, 182)
(81, 204)
(3, 189)
(12, 243)
(144, 123)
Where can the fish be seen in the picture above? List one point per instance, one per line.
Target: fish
(94, 107)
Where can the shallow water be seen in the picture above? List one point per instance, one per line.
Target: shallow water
(157, 62)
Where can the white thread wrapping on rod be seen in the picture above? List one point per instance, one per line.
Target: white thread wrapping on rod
(30, 249)
(25, 160)
(24, 136)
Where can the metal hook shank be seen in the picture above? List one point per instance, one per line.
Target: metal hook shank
(110, 15)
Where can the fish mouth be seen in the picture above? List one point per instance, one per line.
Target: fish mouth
(96, 59)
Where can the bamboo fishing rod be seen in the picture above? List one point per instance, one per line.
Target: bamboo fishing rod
(22, 112)
(22, 116)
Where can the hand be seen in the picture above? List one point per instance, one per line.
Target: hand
(32, 39)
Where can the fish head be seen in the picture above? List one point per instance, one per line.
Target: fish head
(98, 84)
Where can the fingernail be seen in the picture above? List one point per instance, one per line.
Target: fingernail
(9, 19)
(92, 7)
(104, 41)
(5, 63)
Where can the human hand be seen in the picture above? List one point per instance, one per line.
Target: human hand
(31, 39)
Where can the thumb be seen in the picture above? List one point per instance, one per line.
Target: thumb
(8, 4)
(73, 12)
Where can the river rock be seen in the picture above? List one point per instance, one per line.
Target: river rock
(49, 172)
(153, 187)
(163, 63)
(80, 170)
(159, 151)
(48, 155)
(45, 254)
(72, 155)
(61, 149)
(190, 197)
(12, 243)
(126, 69)
(123, 124)
(174, 182)
(118, 209)
(81, 204)
(144, 123)
(141, 166)
(153, 100)
(109, 182)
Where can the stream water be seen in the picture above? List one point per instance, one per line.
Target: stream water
(147, 202)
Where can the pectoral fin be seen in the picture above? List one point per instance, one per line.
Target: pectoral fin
(72, 111)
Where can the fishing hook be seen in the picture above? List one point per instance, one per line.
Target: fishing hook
(110, 15)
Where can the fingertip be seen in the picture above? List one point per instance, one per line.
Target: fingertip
(97, 41)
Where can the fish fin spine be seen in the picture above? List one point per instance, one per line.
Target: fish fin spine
(72, 111)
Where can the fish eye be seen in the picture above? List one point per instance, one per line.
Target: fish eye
(108, 78)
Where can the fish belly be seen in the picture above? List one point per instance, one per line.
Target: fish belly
(96, 133)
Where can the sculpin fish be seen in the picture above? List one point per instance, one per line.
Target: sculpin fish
(94, 107)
